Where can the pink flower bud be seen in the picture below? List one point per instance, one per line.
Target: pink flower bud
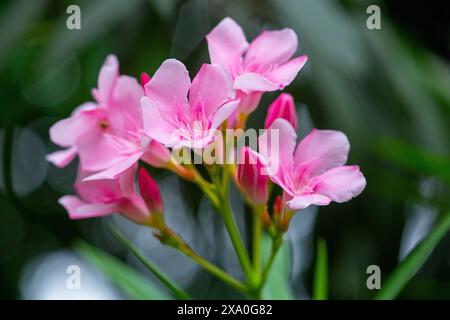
(282, 107)
(150, 192)
(157, 155)
(251, 180)
(145, 78)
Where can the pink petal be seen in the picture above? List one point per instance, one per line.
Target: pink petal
(94, 210)
(78, 209)
(169, 86)
(211, 88)
(124, 109)
(305, 200)
(97, 151)
(84, 119)
(156, 155)
(271, 48)
(223, 113)
(117, 169)
(227, 44)
(278, 143)
(62, 158)
(249, 102)
(340, 184)
(150, 191)
(250, 82)
(107, 79)
(286, 73)
(321, 150)
(156, 125)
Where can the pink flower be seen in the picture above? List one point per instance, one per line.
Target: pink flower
(177, 121)
(249, 176)
(282, 107)
(261, 66)
(315, 173)
(150, 192)
(106, 135)
(105, 197)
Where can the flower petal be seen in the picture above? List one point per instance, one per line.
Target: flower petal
(156, 125)
(321, 150)
(251, 81)
(223, 113)
(278, 142)
(117, 169)
(124, 109)
(62, 158)
(84, 119)
(227, 44)
(210, 88)
(107, 79)
(286, 73)
(78, 209)
(305, 200)
(271, 48)
(340, 184)
(169, 86)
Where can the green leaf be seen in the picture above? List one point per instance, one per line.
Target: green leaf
(414, 261)
(129, 280)
(165, 280)
(278, 284)
(321, 272)
(415, 159)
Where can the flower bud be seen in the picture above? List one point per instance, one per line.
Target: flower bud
(282, 107)
(252, 182)
(150, 192)
(145, 78)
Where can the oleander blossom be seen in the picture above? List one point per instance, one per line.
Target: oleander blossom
(107, 134)
(99, 198)
(266, 64)
(315, 173)
(178, 113)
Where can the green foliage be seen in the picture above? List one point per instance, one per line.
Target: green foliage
(320, 291)
(414, 261)
(134, 284)
(278, 285)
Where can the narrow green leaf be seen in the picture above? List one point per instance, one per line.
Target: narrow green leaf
(415, 158)
(414, 261)
(178, 292)
(278, 284)
(126, 278)
(320, 291)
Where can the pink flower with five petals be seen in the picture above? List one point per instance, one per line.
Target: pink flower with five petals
(263, 65)
(178, 113)
(107, 135)
(315, 173)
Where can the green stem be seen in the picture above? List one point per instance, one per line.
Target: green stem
(276, 244)
(257, 232)
(178, 292)
(219, 273)
(230, 224)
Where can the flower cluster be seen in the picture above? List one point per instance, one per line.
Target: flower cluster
(148, 120)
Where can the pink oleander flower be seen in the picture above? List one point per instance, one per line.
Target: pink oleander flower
(252, 182)
(150, 192)
(282, 107)
(105, 197)
(315, 173)
(263, 65)
(176, 120)
(107, 135)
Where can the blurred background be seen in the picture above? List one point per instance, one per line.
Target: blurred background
(387, 89)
